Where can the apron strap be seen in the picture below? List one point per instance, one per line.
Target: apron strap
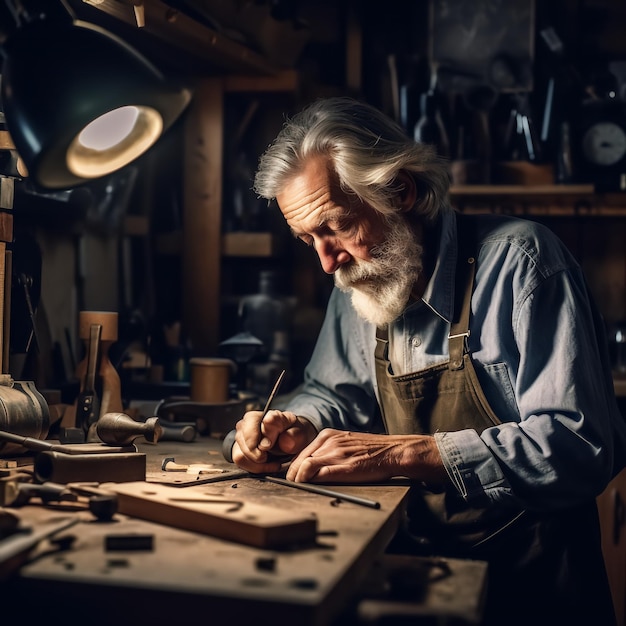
(458, 344)
(459, 329)
(382, 343)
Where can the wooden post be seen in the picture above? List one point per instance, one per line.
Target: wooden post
(202, 217)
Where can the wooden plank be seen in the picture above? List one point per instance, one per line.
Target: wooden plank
(521, 190)
(204, 512)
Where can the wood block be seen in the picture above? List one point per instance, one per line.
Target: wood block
(210, 514)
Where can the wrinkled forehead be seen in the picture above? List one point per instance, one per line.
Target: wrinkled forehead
(312, 195)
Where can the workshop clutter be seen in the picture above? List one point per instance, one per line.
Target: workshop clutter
(267, 315)
(100, 386)
(23, 411)
(210, 379)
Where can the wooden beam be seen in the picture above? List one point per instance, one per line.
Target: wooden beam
(202, 217)
(169, 31)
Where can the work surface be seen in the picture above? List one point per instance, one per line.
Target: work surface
(134, 571)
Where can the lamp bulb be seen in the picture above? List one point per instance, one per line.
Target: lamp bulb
(113, 140)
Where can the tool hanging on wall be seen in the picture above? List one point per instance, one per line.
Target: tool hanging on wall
(88, 402)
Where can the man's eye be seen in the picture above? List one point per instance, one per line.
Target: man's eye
(343, 227)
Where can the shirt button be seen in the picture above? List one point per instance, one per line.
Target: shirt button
(416, 342)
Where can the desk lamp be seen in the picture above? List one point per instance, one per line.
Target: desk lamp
(79, 102)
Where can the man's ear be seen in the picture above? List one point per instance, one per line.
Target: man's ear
(407, 194)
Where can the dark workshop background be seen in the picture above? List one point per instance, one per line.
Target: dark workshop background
(174, 241)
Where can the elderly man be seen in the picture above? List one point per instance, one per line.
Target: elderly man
(461, 352)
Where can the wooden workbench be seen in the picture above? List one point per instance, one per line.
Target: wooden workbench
(188, 573)
(192, 578)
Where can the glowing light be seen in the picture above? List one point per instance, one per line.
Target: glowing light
(109, 129)
(113, 140)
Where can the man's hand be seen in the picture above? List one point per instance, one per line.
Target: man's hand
(342, 456)
(261, 441)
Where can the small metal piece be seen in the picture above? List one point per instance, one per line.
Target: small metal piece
(63, 542)
(128, 542)
(266, 564)
(72, 435)
(169, 465)
(103, 507)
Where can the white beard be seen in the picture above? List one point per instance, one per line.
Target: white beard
(381, 287)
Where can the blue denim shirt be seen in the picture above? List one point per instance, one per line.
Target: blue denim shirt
(539, 349)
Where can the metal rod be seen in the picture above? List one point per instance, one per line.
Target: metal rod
(323, 491)
(30, 443)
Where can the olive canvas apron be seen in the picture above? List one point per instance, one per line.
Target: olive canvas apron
(547, 566)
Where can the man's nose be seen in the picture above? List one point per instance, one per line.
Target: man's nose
(331, 256)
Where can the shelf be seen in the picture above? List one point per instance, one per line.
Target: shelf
(547, 200)
(565, 191)
(234, 244)
(243, 244)
(171, 38)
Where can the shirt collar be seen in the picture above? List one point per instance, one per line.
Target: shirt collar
(439, 293)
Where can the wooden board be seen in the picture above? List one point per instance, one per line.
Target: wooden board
(205, 512)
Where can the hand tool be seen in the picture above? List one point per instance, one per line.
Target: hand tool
(88, 402)
(122, 429)
(101, 504)
(229, 440)
(179, 431)
(14, 549)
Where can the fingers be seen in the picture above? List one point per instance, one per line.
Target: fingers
(254, 467)
(306, 466)
(260, 439)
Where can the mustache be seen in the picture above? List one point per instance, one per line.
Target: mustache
(358, 272)
(383, 264)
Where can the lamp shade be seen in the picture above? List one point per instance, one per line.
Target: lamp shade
(57, 81)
